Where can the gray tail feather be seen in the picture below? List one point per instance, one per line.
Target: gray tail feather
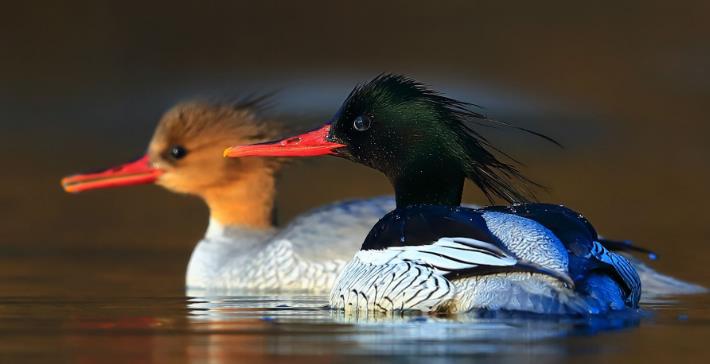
(654, 283)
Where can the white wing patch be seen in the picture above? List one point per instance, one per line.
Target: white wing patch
(412, 277)
(452, 254)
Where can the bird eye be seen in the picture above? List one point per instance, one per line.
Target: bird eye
(178, 151)
(362, 123)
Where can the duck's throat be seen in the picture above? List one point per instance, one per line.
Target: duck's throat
(248, 202)
(442, 187)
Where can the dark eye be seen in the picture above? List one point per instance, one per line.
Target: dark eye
(178, 151)
(362, 123)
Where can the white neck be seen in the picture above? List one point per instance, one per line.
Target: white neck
(242, 236)
(220, 246)
(215, 230)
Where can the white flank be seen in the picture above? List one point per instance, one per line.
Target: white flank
(411, 277)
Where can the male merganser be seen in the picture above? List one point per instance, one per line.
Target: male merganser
(241, 248)
(429, 253)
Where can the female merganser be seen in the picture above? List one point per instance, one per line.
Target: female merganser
(429, 253)
(241, 249)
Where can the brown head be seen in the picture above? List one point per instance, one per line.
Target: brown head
(185, 156)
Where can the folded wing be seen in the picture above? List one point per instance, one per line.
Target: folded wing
(421, 277)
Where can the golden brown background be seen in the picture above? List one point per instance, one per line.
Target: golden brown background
(624, 85)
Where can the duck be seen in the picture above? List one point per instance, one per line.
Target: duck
(430, 253)
(241, 249)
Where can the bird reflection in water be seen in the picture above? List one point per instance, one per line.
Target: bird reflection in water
(298, 325)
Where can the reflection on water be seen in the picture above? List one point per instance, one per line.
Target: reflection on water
(310, 327)
(300, 328)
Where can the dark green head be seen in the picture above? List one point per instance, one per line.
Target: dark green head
(422, 141)
(393, 123)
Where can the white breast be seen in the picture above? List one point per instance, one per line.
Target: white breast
(307, 255)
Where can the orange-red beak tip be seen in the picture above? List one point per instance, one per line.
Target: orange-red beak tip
(68, 184)
(65, 185)
(227, 152)
(137, 172)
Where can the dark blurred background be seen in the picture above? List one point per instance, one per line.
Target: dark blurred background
(623, 85)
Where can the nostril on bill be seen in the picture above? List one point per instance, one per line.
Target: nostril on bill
(290, 141)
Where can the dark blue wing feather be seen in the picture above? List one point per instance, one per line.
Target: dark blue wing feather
(569, 226)
(580, 238)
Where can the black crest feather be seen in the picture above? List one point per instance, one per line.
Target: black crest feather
(495, 176)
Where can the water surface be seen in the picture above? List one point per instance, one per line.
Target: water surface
(119, 321)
